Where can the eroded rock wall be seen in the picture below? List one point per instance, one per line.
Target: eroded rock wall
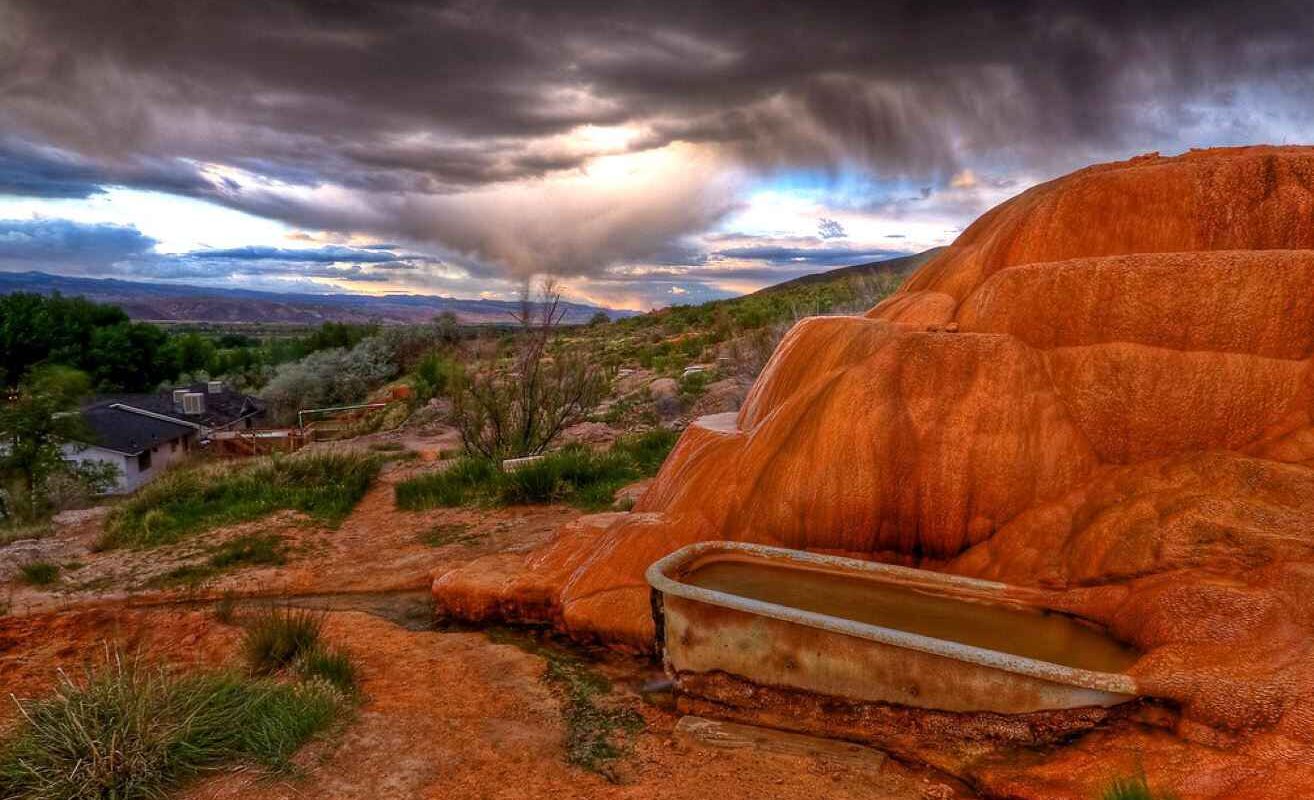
(1103, 388)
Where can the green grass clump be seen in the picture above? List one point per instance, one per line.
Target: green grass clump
(386, 447)
(331, 665)
(448, 533)
(250, 550)
(1132, 788)
(277, 637)
(14, 531)
(130, 732)
(188, 575)
(575, 475)
(39, 573)
(461, 483)
(325, 486)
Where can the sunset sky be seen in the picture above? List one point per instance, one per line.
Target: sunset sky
(647, 152)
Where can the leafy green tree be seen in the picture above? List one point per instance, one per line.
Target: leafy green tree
(37, 329)
(434, 375)
(190, 353)
(448, 328)
(126, 356)
(33, 427)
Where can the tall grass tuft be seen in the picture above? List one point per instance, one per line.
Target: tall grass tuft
(225, 610)
(1134, 787)
(39, 573)
(325, 486)
(331, 665)
(277, 637)
(252, 549)
(131, 732)
(459, 484)
(576, 475)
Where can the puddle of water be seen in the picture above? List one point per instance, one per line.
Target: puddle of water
(1032, 633)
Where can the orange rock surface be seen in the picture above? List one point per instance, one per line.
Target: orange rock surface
(1103, 388)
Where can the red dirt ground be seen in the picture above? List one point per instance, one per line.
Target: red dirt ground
(446, 715)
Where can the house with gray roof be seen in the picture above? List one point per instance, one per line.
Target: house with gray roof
(143, 434)
(139, 446)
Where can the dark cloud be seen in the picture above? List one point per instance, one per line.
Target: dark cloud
(330, 254)
(64, 246)
(29, 170)
(339, 91)
(441, 120)
(42, 244)
(814, 257)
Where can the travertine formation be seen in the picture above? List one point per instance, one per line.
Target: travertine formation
(1103, 388)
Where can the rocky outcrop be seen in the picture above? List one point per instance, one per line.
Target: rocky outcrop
(1103, 388)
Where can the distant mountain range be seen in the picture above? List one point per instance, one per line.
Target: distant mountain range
(172, 303)
(156, 302)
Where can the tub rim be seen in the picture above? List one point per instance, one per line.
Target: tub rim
(658, 579)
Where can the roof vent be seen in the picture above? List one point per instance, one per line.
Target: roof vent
(193, 403)
(215, 387)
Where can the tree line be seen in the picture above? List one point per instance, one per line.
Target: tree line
(120, 355)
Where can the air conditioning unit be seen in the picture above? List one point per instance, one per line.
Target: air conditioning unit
(215, 387)
(193, 403)
(178, 399)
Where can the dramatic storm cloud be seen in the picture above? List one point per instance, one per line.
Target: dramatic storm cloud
(613, 143)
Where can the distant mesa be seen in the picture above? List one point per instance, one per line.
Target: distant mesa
(1103, 388)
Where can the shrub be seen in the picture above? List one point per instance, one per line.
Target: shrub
(325, 486)
(520, 408)
(330, 378)
(39, 573)
(434, 375)
(277, 637)
(129, 732)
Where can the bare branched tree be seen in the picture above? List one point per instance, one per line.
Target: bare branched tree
(519, 408)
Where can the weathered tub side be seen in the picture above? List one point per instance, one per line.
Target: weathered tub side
(706, 631)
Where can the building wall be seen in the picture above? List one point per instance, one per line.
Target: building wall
(130, 477)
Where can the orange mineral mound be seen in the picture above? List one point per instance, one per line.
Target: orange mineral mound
(1103, 388)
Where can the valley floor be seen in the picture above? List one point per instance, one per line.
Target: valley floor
(446, 714)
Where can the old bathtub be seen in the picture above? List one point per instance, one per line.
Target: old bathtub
(875, 633)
